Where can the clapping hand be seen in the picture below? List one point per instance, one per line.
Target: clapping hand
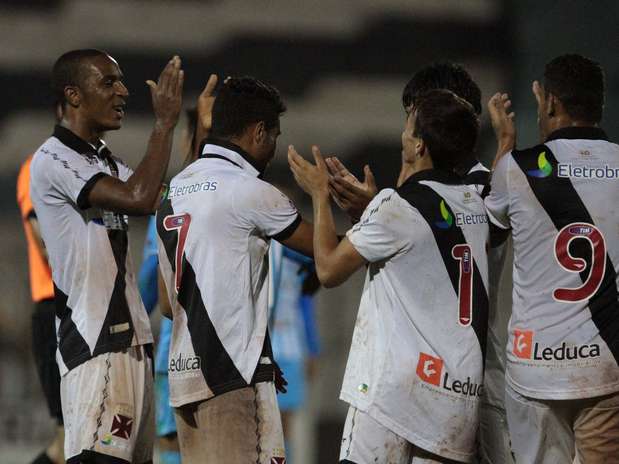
(351, 195)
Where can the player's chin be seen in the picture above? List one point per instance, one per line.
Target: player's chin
(113, 124)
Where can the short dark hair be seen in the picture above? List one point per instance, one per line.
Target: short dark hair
(443, 75)
(578, 83)
(242, 101)
(69, 70)
(449, 127)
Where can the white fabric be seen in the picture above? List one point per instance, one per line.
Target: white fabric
(478, 167)
(408, 325)
(239, 427)
(233, 215)
(365, 441)
(540, 322)
(108, 406)
(77, 242)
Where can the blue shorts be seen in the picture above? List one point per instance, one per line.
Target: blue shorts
(294, 373)
(164, 413)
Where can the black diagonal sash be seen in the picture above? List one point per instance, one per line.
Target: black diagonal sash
(564, 206)
(427, 202)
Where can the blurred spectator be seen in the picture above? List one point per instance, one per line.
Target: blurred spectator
(294, 336)
(43, 317)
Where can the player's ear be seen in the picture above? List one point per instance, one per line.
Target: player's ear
(72, 95)
(420, 148)
(552, 105)
(260, 133)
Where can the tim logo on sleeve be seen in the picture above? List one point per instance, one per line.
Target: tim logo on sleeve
(523, 343)
(429, 369)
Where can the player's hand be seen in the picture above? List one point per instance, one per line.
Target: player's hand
(502, 119)
(167, 94)
(312, 178)
(205, 104)
(348, 193)
(279, 380)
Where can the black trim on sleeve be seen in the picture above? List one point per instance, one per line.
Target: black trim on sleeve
(288, 231)
(82, 198)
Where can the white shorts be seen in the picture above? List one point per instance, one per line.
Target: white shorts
(108, 409)
(238, 427)
(556, 431)
(365, 441)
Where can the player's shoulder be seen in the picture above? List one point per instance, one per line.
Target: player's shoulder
(43, 157)
(387, 205)
(385, 198)
(529, 151)
(53, 152)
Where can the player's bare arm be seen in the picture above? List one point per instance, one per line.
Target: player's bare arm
(302, 239)
(139, 193)
(335, 260)
(205, 112)
(351, 195)
(502, 119)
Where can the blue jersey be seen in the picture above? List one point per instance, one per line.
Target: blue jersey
(292, 324)
(149, 290)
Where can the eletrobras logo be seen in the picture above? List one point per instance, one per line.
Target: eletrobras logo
(182, 364)
(544, 167)
(430, 370)
(526, 348)
(461, 218)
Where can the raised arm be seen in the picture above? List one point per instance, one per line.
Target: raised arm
(335, 260)
(205, 113)
(138, 195)
(351, 195)
(503, 124)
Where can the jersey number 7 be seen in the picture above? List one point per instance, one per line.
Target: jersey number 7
(180, 223)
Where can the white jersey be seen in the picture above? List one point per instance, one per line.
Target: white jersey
(500, 304)
(416, 360)
(478, 177)
(561, 201)
(98, 306)
(215, 228)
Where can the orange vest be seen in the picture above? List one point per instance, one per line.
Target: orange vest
(41, 284)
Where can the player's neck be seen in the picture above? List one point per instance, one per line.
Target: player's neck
(413, 167)
(565, 122)
(80, 128)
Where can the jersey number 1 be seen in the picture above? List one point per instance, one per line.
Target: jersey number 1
(571, 264)
(180, 223)
(462, 253)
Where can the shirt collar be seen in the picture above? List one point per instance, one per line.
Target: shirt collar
(78, 144)
(436, 175)
(587, 133)
(216, 148)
